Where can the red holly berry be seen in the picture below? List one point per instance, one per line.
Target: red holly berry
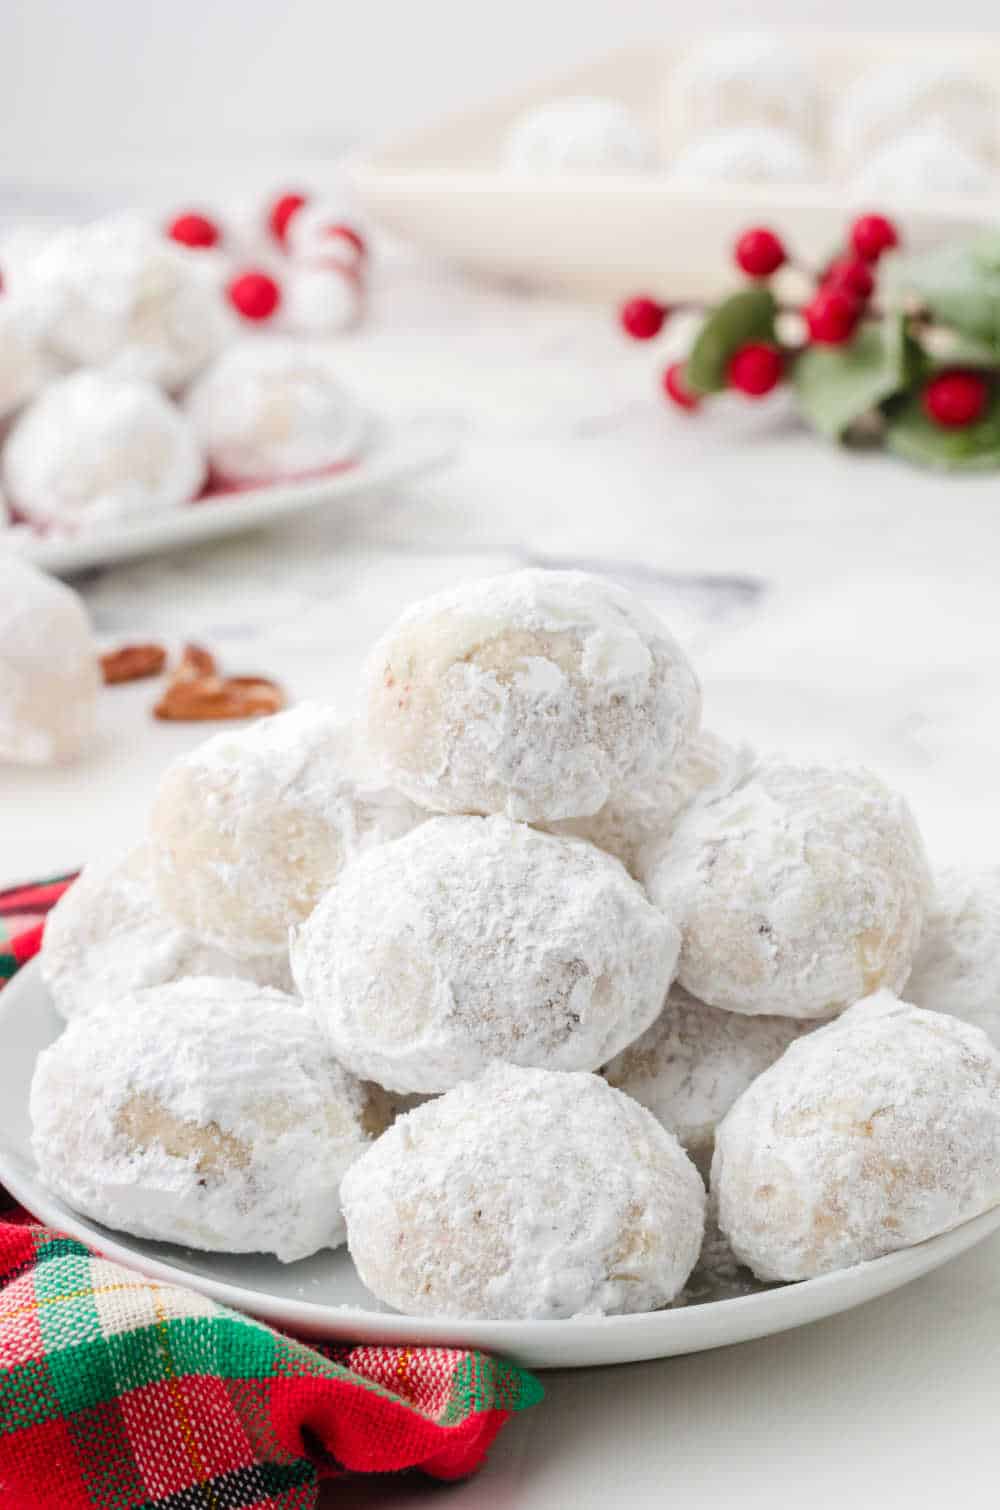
(759, 252)
(192, 229)
(676, 390)
(955, 399)
(256, 295)
(871, 235)
(832, 316)
(281, 213)
(642, 318)
(852, 276)
(755, 368)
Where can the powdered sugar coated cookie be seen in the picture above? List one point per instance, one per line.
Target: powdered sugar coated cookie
(49, 675)
(207, 1112)
(875, 1133)
(94, 448)
(525, 1194)
(476, 939)
(252, 827)
(539, 694)
(275, 407)
(800, 892)
(692, 1064)
(107, 937)
(957, 968)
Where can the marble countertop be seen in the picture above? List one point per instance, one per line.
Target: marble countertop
(834, 604)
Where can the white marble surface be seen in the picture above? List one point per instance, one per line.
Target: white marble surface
(856, 612)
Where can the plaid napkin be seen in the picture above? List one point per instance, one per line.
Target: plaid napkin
(118, 1393)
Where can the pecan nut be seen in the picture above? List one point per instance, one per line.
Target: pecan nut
(130, 663)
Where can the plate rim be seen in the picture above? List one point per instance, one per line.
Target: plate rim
(393, 451)
(569, 1342)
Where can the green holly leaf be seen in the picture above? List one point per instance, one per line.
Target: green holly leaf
(746, 316)
(916, 437)
(838, 385)
(959, 283)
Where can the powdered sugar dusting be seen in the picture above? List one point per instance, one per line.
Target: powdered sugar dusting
(478, 939)
(95, 448)
(49, 676)
(875, 1133)
(207, 1112)
(798, 893)
(251, 828)
(693, 1063)
(539, 695)
(275, 408)
(706, 768)
(957, 968)
(107, 937)
(525, 1194)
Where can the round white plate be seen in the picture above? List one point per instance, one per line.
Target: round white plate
(323, 1296)
(392, 453)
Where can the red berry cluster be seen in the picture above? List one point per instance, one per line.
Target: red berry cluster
(831, 316)
(253, 291)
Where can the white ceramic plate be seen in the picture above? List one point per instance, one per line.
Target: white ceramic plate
(323, 1296)
(609, 236)
(392, 453)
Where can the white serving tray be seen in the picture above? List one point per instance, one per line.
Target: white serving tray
(323, 1296)
(606, 237)
(392, 454)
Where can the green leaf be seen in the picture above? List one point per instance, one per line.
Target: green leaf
(959, 283)
(838, 385)
(746, 316)
(914, 436)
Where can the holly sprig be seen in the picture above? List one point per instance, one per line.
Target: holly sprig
(899, 349)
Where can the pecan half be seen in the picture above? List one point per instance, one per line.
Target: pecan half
(194, 699)
(195, 662)
(130, 663)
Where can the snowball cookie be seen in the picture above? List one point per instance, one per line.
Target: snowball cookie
(251, 828)
(888, 102)
(957, 968)
(525, 1195)
(706, 767)
(798, 893)
(49, 669)
(93, 449)
(272, 408)
(24, 366)
(116, 293)
(474, 939)
(207, 1112)
(107, 936)
(926, 160)
(742, 79)
(579, 134)
(876, 1132)
(745, 154)
(537, 694)
(691, 1065)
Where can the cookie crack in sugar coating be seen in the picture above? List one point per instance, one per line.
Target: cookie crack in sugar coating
(538, 695)
(872, 1134)
(207, 1112)
(525, 1194)
(478, 939)
(798, 893)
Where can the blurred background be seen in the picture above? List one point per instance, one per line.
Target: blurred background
(137, 96)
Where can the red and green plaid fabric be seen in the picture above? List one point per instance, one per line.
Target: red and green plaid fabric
(118, 1393)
